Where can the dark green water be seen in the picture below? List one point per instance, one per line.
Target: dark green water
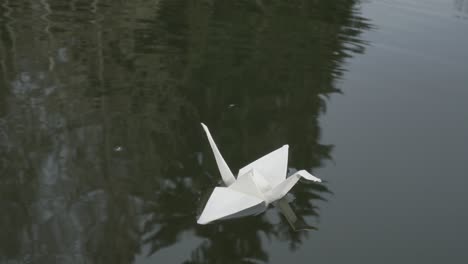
(103, 160)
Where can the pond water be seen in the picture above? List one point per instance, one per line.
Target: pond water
(103, 159)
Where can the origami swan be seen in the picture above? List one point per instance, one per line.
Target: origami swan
(257, 185)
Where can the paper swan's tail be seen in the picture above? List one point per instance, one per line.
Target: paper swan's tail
(283, 188)
(226, 173)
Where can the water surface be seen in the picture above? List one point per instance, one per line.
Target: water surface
(103, 160)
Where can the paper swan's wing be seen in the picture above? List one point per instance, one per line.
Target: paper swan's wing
(226, 174)
(225, 202)
(272, 166)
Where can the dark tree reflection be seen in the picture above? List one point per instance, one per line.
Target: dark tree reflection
(259, 79)
(101, 151)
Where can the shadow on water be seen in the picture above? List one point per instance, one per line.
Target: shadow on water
(101, 152)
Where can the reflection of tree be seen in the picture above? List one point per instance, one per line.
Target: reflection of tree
(99, 122)
(274, 67)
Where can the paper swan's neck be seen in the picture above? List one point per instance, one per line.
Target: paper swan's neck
(226, 174)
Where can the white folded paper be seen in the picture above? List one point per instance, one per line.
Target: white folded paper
(257, 185)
